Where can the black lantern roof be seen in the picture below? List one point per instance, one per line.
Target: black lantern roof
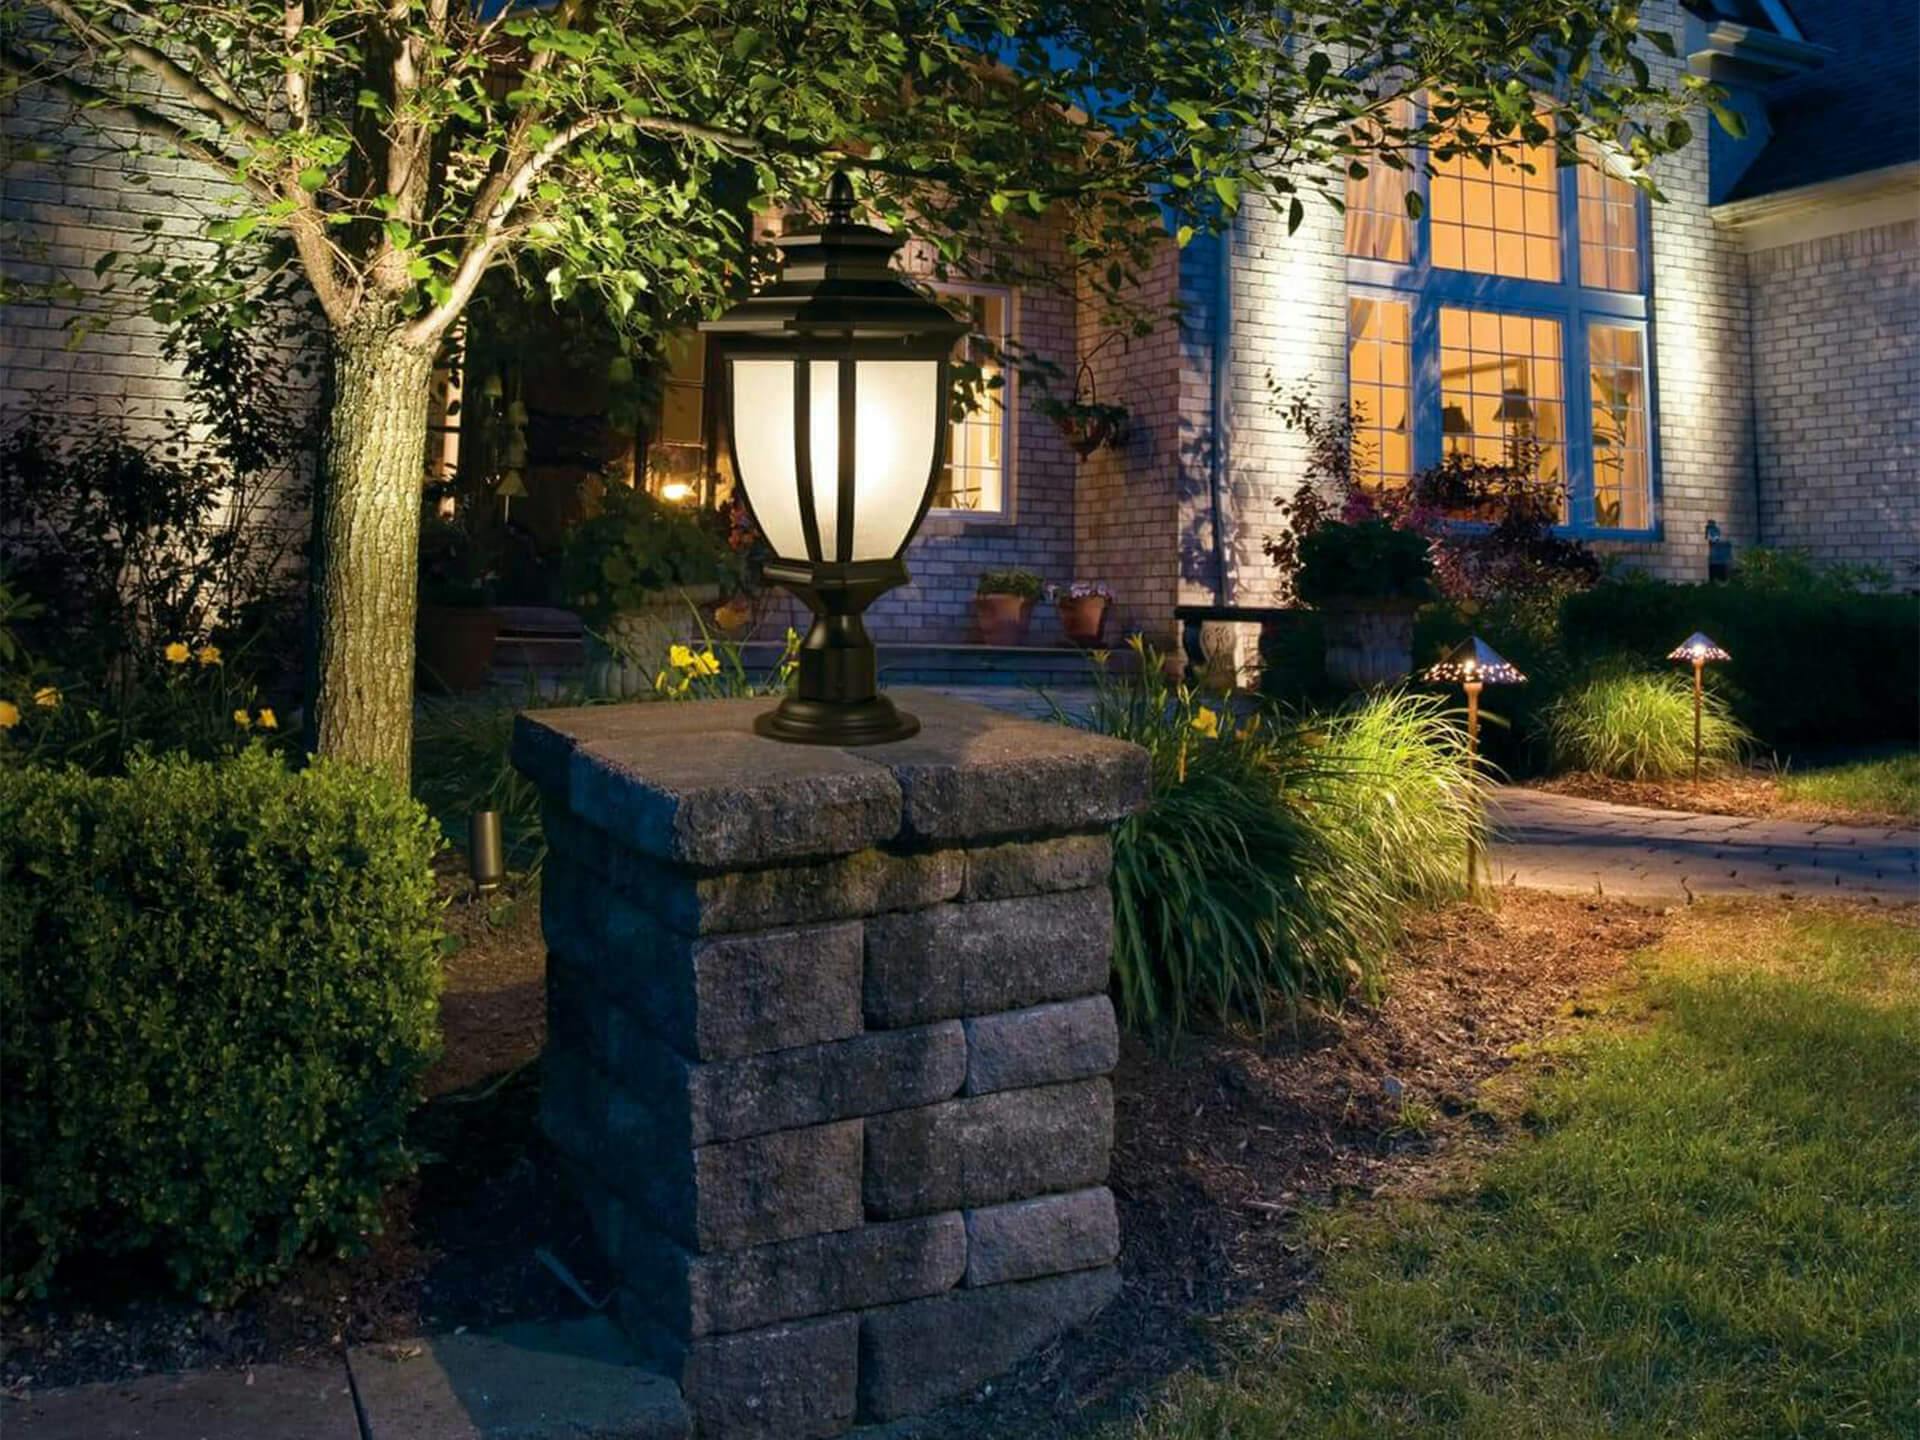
(836, 283)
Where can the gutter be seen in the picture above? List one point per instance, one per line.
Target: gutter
(1221, 381)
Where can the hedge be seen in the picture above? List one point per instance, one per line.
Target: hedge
(1812, 663)
(218, 990)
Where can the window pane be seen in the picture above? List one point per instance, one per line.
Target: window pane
(974, 477)
(1378, 375)
(1501, 220)
(1609, 230)
(1500, 386)
(1377, 224)
(1622, 478)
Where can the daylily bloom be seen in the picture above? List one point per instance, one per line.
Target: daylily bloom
(208, 654)
(176, 653)
(268, 720)
(1207, 722)
(680, 657)
(706, 663)
(47, 698)
(9, 715)
(242, 719)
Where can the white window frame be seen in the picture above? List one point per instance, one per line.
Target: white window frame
(1008, 397)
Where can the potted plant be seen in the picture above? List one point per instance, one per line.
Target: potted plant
(1083, 607)
(456, 629)
(637, 573)
(1087, 424)
(1003, 605)
(1366, 579)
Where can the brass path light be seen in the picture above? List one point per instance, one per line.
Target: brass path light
(1472, 665)
(837, 378)
(1698, 648)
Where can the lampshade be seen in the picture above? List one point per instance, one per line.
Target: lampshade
(1698, 647)
(1474, 660)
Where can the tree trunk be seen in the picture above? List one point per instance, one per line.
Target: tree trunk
(367, 549)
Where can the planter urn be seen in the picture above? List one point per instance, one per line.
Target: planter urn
(1369, 642)
(621, 663)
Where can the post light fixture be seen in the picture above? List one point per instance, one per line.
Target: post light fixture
(837, 378)
(486, 854)
(1473, 665)
(1698, 649)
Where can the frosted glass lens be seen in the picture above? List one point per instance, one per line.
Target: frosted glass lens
(896, 423)
(763, 443)
(823, 404)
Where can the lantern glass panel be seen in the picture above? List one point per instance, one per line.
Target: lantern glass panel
(763, 444)
(897, 424)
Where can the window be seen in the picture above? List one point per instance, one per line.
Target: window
(974, 478)
(1516, 311)
(677, 468)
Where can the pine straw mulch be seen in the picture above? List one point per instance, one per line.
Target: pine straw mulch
(1747, 793)
(1220, 1147)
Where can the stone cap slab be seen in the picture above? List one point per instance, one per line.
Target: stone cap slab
(692, 784)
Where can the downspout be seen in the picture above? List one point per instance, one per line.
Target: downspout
(1221, 380)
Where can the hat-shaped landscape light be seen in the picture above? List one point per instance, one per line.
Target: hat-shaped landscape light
(1472, 665)
(1698, 648)
(836, 386)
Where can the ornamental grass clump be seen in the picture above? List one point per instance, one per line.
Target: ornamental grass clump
(1630, 725)
(1279, 857)
(218, 992)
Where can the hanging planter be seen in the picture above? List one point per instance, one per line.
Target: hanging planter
(1087, 423)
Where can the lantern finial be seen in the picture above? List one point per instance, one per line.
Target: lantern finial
(840, 199)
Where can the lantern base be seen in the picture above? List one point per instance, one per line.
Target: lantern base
(873, 721)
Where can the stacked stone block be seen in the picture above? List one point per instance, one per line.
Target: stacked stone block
(829, 1045)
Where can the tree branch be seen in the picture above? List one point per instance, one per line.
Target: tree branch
(163, 68)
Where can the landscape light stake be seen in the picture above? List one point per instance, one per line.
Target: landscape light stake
(1473, 665)
(1699, 649)
(836, 385)
(486, 854)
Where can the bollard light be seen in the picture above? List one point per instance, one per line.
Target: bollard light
(1698, 649)
(836, 384)
(1473, 665)
(486, 853)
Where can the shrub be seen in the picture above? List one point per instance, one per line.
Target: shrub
(217, 996)
(1367, 560)
(1278, 858)
(638, 547)
(1638, 726)
(1815, 660)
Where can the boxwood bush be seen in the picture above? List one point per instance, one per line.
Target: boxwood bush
(217, 997)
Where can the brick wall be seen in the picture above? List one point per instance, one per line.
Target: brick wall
(1836, 373)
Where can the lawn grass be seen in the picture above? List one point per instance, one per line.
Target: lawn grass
(1887, 786)
(1710, 1226)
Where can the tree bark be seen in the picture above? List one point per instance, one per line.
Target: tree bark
(367, 548)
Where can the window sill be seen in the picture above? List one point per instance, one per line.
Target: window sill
(955, 523)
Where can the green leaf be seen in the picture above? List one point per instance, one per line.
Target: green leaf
(1728, 120)
(1228, 189)
(1187, 111)
(312, 178)
(1183, 235)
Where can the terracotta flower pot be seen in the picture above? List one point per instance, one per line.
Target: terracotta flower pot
(454, 645)
(1003, 619)
(1084, 619)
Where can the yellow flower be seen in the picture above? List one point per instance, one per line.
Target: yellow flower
(9, 715)
(1206, 722)
(706, 663)
(47, 698)
(680, 657)
(268, 720)
(208, 654)
(176, 653)
(241, 718)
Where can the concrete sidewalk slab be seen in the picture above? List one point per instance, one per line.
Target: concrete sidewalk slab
(268, 1402)
(574, 1379)
(1567, 843)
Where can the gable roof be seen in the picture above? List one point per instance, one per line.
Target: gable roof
(1859, 111)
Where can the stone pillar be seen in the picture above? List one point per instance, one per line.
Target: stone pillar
(828, 1045)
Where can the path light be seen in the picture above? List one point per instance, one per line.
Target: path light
(1472, 665)
(836, 386)
(486, 854)
(1698, 648)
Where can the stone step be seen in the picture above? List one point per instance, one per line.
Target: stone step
(266, 1402)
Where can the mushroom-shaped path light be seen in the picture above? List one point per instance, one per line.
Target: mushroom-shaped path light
(836, 387)
(1698, 649)
(1472, 665)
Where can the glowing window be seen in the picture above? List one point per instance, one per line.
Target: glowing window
(975, 475)
(1378, 226)
(1622, 469)
(1609, 231)
(1500, 383)
(1379, 371)
(1498, 219)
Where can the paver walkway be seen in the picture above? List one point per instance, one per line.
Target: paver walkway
(1560, 842)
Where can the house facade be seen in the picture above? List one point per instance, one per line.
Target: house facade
(1745, 355)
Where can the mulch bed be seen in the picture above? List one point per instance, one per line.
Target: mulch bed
(1220, 1146)
(1744, 794)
